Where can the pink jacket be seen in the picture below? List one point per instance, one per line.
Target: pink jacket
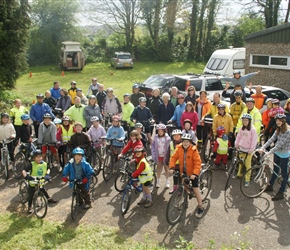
(192, 116)
(247, 140)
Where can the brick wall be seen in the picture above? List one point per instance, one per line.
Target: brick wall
(278, 77)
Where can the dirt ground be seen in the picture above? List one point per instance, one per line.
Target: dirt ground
(230, 217)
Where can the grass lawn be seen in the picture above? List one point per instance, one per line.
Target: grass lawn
(120, 80)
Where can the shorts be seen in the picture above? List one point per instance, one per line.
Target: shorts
(147, 183)
(195, 182)
(44, 149)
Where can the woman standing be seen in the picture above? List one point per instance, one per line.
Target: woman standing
(154, 102)
(281, 154)
(287, 111)
(91, 110)
(64, 101)
(191, 96)
(189, 114)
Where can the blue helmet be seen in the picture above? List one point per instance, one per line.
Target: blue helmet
(57, 121)
(78, 151)
(25, 117)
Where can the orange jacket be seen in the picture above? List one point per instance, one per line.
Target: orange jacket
(205, 108)
(265, 118)
(259, 100)
(193, 161)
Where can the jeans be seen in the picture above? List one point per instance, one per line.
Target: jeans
(283, 163)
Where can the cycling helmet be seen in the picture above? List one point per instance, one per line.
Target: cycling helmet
(25, 117)
(78, 151)
(138, 125)
(57, 121)
(92, 97)
(280, 116)
(126, 95)
(250, 99)
(73, 82)
(39, 96)
(221, 106)
(220, 130)
(160, 127)
(186, 137)
(78, 89)
(110, 90)
(136, 86)
(187, 120)
(247, 116)
(94, 79)
(36, 152)
(65, 118)
(5, 115)
(47, 115)
(236, 72)
(176, 132)
(275, 101)
(269, 100)
(115, 118)
(139, 149)
(142, 99)
(238, 93)
(94, 119)
(180, 96)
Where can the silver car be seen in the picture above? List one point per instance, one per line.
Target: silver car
(122, 60)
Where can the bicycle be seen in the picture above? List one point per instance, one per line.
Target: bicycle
(5, 158)
(170, 127)
(122, 177)
(49, 158)
(234, 167)
(131, 185)
(205, 180)
(207, 148)
(108, 120)
(260, 176)
(39, 201)
(94, 158)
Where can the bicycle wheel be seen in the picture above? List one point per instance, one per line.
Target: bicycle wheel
(152, 186)
(6, 167)
(74, 205)
(126, 199)
(176, 206)
(259, 179)
(23, 194)
(96, 163)
(108, 167)
(121, 181)
(19, 164)
(205, 181)
(93, 183)
(39, 205)
(206, 149)
(232, 172)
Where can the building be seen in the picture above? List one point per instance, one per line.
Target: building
(269, 51)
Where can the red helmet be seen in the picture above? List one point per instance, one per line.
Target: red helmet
(220, 130)
(115, 117)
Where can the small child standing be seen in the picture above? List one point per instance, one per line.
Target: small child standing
(145, 175)
(25, 132)
(221, 147)
(160, 151)
(176, 140)
(78, 169)
(187, 124)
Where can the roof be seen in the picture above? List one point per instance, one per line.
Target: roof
(70, 43)
(276, 34)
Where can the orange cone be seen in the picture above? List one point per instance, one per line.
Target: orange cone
(62, 73)
(30, 74)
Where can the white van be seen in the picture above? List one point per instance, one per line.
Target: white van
(71, 56)
(224, 61)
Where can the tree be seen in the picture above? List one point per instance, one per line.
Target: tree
(53, 23)
(14, 26)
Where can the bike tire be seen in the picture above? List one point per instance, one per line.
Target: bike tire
(23, 194)
(6, 167)
(176, 206)
(126, 200)
(108, 168)
(96, 163)
(206, 149)
(93, 184)
(39, 205)
(74, 205)
(231, 172)
(259, 179)
(19, 164)
(121, 181)
(152, 186)
(205, 182)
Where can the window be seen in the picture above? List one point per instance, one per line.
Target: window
(197, 84)
(212, 85)
(180, 84)
(217, 64)
(266, 61)
(275, 94)
(239, 64)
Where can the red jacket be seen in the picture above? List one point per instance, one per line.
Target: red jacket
(140, 169)
(131, 145)
(192, 116)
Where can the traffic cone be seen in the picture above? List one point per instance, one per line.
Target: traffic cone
(62, 73)
(30, 74)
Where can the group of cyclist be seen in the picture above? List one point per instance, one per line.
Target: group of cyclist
(78, 125)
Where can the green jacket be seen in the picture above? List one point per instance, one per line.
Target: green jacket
(77, 114)
(128, 109)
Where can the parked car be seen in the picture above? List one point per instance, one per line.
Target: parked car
(163, 82)
(122, 60)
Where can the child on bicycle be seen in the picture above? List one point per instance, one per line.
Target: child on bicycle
(144, 139)
(246, 141)
(176, 140)
(37, 168)
(117, 134)
(47, 135)
(187, 124)
(79, 169)
(220, 147)
(190, 165)
(145, 175)
(25, 132)
(135, 140)
(79, 139)
(160, 151)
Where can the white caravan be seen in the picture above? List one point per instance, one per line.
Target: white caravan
(224, 61)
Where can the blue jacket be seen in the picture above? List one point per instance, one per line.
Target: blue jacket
(177, 113)
(165, 113)
(116, 133)
(55, 93)
(38, 110)
(69, 171)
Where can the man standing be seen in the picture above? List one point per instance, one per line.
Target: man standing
(55, 90)
(136, 95)
(101, 95)
(259, 98)
(94, 87)
(76, 112)
(72, 92)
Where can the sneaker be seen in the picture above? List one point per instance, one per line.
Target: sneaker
(51, 200)
(246, 184)
(87, 206)
(148, 204)
(278, 196)
(237, 177)
(29, 210)
(167, 184)
(199, 213)
(158, 184)
(142, 202)
(214, 167)
(59, 168)
(172, 191)
(269, 188)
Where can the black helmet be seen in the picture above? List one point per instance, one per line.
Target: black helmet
(36, 152)
(238, 93)
(40, 96)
